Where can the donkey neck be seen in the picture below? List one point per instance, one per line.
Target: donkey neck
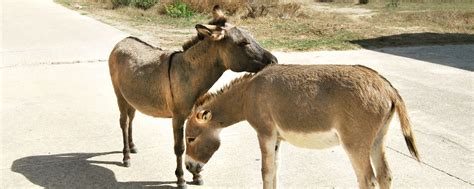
(203, 59)
(204, 54)
(230, 103)
(193, 72)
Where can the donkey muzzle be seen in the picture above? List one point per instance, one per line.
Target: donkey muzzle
(270, 58)
(193, 166)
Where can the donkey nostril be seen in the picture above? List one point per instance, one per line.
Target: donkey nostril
(270, 59)
(190, 139)
(274, 60)
(187, 166)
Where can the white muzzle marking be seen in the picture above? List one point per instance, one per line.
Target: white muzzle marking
(192, 164)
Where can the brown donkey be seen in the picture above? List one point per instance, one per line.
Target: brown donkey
(309, 106)
(166, 84)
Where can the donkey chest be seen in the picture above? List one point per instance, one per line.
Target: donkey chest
(312, 140)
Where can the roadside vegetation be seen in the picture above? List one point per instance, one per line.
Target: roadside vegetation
(295, 25)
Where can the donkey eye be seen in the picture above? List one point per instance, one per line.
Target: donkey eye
(243, 43)
(190, 139)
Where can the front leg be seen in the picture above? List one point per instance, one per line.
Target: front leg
(268, 143)
(179, 149)
(197, 179)
(277, 162)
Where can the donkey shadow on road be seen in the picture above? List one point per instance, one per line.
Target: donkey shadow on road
(74, 170)
(450, 55)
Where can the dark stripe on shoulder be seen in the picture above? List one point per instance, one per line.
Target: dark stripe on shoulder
(143, 42)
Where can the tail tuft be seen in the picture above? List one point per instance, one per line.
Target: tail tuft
(406, 127)
(412, 148)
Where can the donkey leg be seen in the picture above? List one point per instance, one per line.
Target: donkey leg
(178, 133)
(267, 148)
(277, 162)
(358, 149)
(124, 125)
(197, 179)
(131, 115)
(384, 176)
(362, 167)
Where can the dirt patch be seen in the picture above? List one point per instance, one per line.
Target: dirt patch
(343, 10)
(354, 13)
(162, 35)
(317, 26)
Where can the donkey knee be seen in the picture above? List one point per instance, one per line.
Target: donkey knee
(178, 150)
(123, 121)
(373, 182)
(385, 181)
(367, 182)
(268, 176)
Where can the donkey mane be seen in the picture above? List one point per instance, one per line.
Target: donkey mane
(143, 42)
(208, 97)
(193, 41)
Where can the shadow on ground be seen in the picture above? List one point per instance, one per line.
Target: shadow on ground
(447, 56)
(74, 170)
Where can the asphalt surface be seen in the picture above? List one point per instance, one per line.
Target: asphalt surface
(60, 127)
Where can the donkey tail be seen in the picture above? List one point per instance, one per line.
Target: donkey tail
(406, 126)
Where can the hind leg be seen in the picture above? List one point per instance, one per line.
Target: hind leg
(125, 125)
(384, 176)
(360, 161)
(358, 149)
(131, 115)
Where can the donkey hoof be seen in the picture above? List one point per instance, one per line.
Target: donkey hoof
(126, 163)
(198, 181)
(134, 150)
(182, 186)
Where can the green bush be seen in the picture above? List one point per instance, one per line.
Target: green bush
(143, 4)
(178, 9)
(118, 3)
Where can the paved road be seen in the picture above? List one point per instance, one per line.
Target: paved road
(59, 120)
(41, 31)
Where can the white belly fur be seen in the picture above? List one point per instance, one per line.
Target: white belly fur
(316, 140)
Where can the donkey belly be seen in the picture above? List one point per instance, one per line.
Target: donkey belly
(146, 89)
(149, 104)
(312, 140)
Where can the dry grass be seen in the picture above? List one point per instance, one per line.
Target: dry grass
(231, 7)
(303, 25)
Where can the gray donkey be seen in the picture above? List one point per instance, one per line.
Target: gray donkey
(309, 106)
(166, 84)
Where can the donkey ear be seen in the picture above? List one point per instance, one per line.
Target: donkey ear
(204, 116)
(213, 32)
(218, 17)
(217, 12)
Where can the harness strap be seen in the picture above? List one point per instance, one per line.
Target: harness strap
(169, 72)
